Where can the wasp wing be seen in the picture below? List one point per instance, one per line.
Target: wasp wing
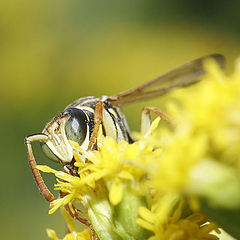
(181, 76)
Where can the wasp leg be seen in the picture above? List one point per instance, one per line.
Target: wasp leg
(44, 191)
(84, 221)
(146, 119)
(76, 216)
(98, 118)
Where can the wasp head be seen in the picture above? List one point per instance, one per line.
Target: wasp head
(57, 147)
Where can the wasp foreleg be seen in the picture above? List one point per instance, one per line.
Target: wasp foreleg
(44, 191)
(98, 118)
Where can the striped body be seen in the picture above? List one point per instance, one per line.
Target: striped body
(76, 123)
(114, 122)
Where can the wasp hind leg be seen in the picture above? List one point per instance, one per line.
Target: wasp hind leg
(44, 191)
(74, 213)
(146, 118)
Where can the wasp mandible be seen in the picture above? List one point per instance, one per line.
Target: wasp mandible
(80, 121)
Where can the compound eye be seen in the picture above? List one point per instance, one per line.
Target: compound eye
(77, 125)
(48, 152)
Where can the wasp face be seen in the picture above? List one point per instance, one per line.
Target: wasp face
(57, 148)
(72, 124)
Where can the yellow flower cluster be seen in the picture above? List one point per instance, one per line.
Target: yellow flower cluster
(84, 235)
(159, 164)
(114, 163)
(209, 111)
(174, 226)
(73, 235)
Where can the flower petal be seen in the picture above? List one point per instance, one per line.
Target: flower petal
(125, 175)
(115, 193)
(51, 234)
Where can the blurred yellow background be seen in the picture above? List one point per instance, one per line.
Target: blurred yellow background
(53, 52)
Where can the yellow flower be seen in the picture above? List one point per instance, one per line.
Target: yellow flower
(167, 223)
(73, 235)
(210, 109)
(112, 162)
(155, 172)
(181, 153)
(84, 235)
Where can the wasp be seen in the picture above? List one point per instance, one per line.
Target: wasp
(80, 121)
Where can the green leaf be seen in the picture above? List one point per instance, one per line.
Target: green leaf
(218, 188)
(227, 219)
(217, 183)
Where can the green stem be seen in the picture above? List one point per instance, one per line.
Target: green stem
(117, 222)
(126, 213)
(100, 213)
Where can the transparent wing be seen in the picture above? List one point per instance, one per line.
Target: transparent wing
(181, 76)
